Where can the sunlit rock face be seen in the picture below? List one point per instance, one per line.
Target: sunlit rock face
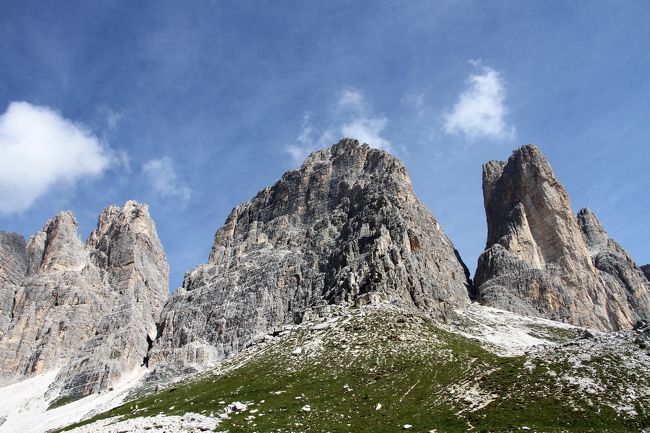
(89, 309)
(344, 228)
(541, 260)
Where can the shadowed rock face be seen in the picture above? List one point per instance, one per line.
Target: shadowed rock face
(646, 271)
(627, 288)
(345, 227)
(540, 260)
(13, 265)
(87, 309)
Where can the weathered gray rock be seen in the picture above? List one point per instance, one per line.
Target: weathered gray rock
(345, 227)
(537, 260)
(89, 310)
(627, 288)
(646, 271)
(13, 266)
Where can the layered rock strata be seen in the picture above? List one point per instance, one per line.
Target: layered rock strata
(89, 309)
(541, 260)
(345, 227)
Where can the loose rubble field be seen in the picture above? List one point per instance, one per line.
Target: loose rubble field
(375, 369)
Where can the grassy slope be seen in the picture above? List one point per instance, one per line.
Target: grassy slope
(421, 376)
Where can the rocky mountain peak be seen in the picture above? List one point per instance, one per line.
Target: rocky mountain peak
(594, 233)
(344, 228)
(90, 310)
(540, 259)
(57, 247)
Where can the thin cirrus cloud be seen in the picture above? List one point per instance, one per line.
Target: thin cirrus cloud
(163, 179)
(480, 111)
(351, 116)
(40, 149)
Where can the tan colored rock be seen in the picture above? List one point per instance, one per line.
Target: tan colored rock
(537, 261)
(89, 310)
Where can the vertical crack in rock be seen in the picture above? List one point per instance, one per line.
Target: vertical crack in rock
(541, 260)
(344, 228)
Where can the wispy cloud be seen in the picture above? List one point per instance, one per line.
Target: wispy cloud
(362, 123)
(480, 111)
(164, 180)
(416, 101)
(351, 116)
(40, 149)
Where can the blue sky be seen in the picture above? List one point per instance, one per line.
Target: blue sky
(193, 107)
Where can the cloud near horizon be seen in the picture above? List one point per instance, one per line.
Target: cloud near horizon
(41, 149)
(352, 117)
(163, 179)
(480, 111)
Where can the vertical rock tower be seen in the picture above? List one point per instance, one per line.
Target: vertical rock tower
(541, 260)
(345, 227)
(90, 310)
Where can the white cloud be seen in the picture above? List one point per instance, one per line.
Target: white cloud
(351, 117)
(40, 149)
(360, 122)
(480, 111)
(308, 140)
(162, 176)
(367, 130)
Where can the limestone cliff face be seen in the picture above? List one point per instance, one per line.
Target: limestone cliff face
(627, 288)
(345, 227)
(89, 310)
(13, 266)
(538, 257)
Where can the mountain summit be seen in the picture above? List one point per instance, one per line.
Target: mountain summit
(541, 260)
(84, 310)
(344, 228)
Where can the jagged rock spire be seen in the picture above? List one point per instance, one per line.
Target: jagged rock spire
(86, 309)
(538, 258)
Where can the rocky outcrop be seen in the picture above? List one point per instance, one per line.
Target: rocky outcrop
(344, 228)
(627, 289)
(13, 265)
(646, 271)
(89, 310)
(538, 258)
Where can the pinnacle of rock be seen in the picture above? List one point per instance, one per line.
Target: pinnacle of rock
(88, 310)
(344, 228)
(57, 246)
(540, 259)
